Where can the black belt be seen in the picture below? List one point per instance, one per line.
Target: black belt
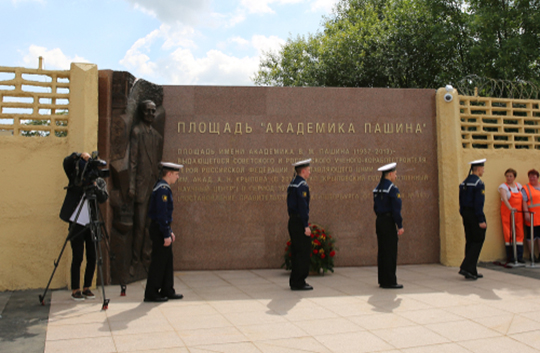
(296, 215)
(386, 214)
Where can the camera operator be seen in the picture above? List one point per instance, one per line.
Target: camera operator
(78, 215)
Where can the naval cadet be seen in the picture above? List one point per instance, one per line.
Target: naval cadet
(389, 225)
(299, 231)
(471, 208)
(160, 283)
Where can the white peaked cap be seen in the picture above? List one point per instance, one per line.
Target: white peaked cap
(304, 162)
(478, 161)
(387, 167)
(171, 166)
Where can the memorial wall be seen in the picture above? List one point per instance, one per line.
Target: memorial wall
(238, 143)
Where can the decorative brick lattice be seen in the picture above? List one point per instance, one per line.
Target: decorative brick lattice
(499, 123)
(34, 102)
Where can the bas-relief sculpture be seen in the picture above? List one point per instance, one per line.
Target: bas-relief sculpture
(136, 141)
(145, 148)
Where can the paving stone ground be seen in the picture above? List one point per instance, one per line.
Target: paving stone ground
(254, 311)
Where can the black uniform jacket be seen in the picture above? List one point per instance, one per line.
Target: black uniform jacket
(472, 196)
(298, 199)
(387, 199)
(74, 193)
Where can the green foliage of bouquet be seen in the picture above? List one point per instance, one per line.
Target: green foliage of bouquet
(323, 251)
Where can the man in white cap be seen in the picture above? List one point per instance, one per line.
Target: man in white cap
(389, 225)
(471, 208)
(298, 207)
(160, 283)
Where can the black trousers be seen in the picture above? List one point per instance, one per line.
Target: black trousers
(77, 246)
(300, 252)
(474, 237)
(387, 242)
(160, 280)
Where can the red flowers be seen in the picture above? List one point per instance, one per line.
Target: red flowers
(322, 251)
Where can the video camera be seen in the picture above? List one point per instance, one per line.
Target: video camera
(92, 170)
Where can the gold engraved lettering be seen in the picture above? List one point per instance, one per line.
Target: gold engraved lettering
(290, 128)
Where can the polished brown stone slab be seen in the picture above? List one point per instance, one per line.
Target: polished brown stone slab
(238, 143)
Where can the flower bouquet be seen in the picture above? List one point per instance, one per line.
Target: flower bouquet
(323, 251)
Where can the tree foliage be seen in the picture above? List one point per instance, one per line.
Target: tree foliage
(411, 44)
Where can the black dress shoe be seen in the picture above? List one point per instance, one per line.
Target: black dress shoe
(304, 287)
(479, 275)
(156, 300)
(391, 286)
(175, 296)
(468, 275)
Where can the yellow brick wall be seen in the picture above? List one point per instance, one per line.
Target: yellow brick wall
(505, 131)
(31, 234)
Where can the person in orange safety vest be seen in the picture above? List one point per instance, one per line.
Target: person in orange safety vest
(512, 200)
(531, 203)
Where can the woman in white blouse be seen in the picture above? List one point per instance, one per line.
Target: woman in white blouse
(512, 199)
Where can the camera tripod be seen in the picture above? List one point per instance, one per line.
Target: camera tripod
(97, 229)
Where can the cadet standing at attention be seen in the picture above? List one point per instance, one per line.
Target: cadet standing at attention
(389, 225)
(471, 208)
(160, 283)
(299, 231)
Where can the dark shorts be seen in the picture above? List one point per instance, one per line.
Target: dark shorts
(528, 232)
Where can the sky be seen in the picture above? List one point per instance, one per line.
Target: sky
(167, 42)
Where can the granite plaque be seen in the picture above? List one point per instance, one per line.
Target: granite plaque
(238, 143)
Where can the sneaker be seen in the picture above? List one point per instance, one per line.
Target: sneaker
(88, 294)
(77, 296)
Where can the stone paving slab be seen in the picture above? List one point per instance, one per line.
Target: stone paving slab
(254, 311)
(23, 322)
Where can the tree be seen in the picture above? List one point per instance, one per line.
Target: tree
(45, 122)
(407, 44)
(506, 39)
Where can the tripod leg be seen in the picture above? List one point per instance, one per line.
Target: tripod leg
(96, 237)
(97, 248)
(57, 261)
(42, 297)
